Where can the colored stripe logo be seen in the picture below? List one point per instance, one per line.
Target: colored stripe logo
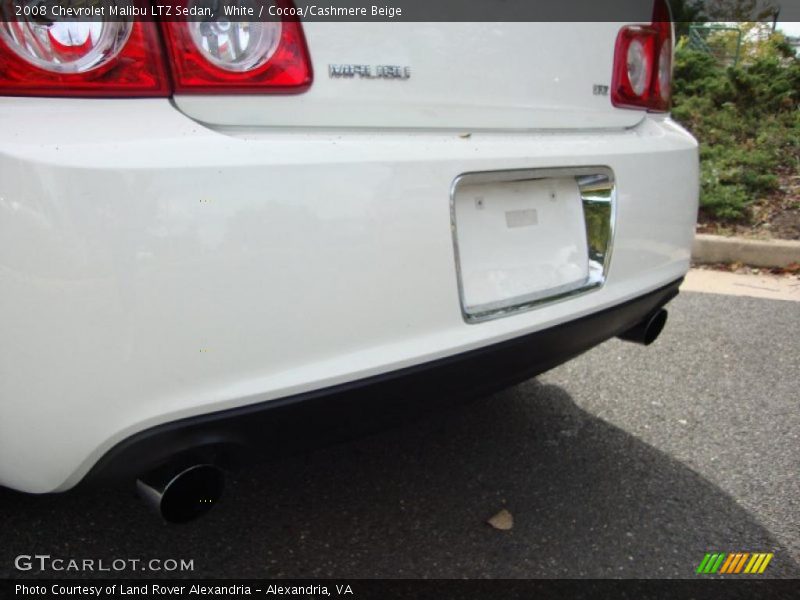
(734, 563)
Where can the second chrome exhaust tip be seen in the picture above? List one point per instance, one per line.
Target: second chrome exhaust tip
(647, 330)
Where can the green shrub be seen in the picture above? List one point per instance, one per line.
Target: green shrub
(746, 119)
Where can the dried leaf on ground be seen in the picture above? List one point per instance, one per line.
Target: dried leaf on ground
(502, 520)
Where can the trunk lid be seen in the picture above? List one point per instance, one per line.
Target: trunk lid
(465, 76)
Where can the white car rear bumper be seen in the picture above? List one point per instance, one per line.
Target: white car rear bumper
(153, 269)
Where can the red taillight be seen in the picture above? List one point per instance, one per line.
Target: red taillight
(81, 59)
(127, 58)
(643, 64)
(238, 57)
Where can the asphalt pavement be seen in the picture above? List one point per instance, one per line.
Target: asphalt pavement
(626, 462)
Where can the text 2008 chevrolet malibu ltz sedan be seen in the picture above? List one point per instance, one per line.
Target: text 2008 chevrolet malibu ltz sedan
(213, 239)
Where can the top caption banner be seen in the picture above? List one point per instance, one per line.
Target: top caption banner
(395, 10)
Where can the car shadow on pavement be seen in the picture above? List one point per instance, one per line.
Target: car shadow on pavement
(587, 499)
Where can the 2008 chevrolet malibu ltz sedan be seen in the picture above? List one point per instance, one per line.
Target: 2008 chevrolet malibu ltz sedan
(216, 236)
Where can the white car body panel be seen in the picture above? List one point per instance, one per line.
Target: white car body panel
(154, 268)
(463, 75)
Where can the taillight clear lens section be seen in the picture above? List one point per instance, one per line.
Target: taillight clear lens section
(665, 70)
(642, 74)
(94, 59)
(65, 47)
(235, 46)
(224, 57)
(639, 66)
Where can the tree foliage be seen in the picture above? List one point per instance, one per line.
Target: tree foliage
(747, 120)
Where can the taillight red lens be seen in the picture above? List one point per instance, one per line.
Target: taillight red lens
(225, 57)
(126, 58)
(643, 64)
(88, 59)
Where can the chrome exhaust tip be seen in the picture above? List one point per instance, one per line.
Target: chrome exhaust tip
(182, 493)
(646, 331)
